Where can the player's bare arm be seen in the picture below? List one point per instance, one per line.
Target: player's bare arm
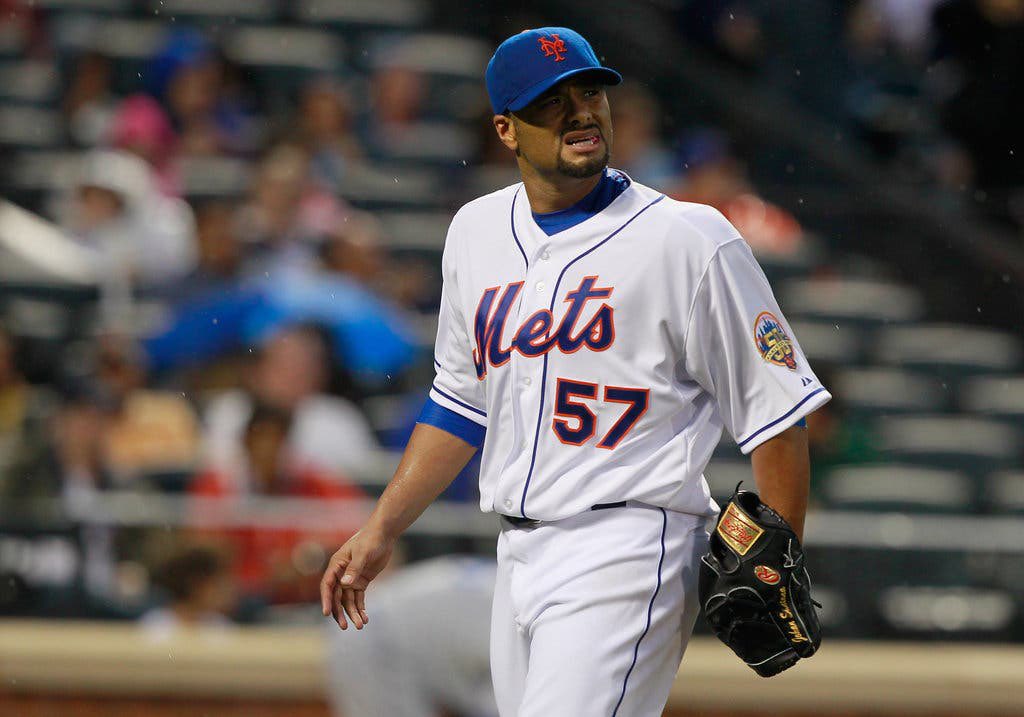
(430, 463)
(782, 472)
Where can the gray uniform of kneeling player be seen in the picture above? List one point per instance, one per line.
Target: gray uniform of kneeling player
(428, 650)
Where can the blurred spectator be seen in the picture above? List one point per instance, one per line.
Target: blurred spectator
(325, 130)
(356, 249)
(136, 236)
(115, 431)
(201, 594)
(713, 175)
(27, 472)
(149, 430)
(279, 563)
(286, 214)
(219, 262)
(141, 127)
(372, 339)
(982, 45)
(291, 374)
(398, 94)
(188, 77)
(905, 24)
(89, 104)
(637, 149)
(731, 29)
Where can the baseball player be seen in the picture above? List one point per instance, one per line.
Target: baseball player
(428, 649)
(595, 337)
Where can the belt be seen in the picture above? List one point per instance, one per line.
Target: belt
(520, 521)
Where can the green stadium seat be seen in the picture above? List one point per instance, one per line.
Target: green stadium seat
(363, 14)
(874, 392)
(997, 396)
(828, 343)
(898, 487)
(1004, 492)
(30, 127)
(861, 302)
(975, 445)
(29, 81)
(950, 350)
(214, 11)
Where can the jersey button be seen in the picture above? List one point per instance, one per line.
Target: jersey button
(546, 255)
(540, 286)
(508, 503)
(527, 380)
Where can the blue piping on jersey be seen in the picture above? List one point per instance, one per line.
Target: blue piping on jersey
(650, 609)
(512, 221)
(458, 402)
(544, 373)
(781, 418)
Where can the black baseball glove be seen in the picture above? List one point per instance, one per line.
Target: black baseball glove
(755, 590)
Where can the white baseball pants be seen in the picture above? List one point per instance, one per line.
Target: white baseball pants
(592, 613)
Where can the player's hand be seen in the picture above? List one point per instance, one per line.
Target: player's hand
(349, 571)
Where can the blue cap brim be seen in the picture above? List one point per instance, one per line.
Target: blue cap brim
(606, 75)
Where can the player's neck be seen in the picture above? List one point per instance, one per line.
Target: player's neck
(551, 194)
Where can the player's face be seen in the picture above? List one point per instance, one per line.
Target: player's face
(566, 131)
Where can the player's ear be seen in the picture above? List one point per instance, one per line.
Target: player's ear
(506, 130)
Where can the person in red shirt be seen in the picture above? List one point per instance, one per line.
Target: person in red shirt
(278, 563)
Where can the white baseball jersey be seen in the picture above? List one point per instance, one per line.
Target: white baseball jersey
(605, 360)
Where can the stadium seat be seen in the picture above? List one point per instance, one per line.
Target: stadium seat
(948, 612)
(29, 81)
(215, 176)
(997, 396)
(361, 14)
(874, 392)
(828, 342)
(214, 11)
(420, 230)
(860, 302)
(433, 143)
(117, 37)
(434, 54)
(977, 446)
(30, 127)
(380, 186)
(33, 174)
(281, 47)
(1004, 492)
(950, 350)
(109, 6)
(898, 487)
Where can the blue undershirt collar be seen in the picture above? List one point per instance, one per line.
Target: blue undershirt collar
(612, 184)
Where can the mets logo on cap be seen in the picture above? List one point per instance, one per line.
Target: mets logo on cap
(552, 46)
(772, 341)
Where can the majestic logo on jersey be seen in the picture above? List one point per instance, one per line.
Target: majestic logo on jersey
(538, 335)
(552, 47)
(772, 341)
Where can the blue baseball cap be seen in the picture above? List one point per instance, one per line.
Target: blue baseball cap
(527, 65)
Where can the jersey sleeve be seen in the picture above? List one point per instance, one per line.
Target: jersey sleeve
(456, 386)
(740, 349)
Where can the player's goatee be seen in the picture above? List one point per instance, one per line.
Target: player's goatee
(585, 169)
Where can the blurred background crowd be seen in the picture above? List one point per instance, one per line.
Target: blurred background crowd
(220, 243)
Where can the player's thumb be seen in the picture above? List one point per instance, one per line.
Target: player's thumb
(354, 570)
